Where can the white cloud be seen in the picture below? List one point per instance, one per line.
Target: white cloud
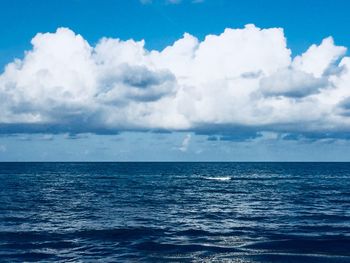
(317, 59)
(240, 78)
(185, 143)
(292, 83)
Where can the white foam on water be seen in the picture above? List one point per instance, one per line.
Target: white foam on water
(221, 178)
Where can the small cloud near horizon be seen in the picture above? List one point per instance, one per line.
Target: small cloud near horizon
(185, 143)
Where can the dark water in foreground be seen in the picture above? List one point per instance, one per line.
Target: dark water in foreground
(175, 212)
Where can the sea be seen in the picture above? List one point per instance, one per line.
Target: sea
(174, 212)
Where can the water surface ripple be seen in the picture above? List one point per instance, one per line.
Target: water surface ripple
(175, 212)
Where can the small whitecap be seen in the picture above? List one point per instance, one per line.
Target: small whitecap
(221, 178)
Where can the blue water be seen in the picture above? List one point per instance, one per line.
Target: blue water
(175, 212)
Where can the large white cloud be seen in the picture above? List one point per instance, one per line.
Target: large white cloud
(243, 78)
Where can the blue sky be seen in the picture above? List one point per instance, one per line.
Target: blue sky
(161, 23)
(51, 129)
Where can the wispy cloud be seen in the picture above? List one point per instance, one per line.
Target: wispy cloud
(185, 143)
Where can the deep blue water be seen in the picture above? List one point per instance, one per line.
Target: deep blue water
(175, 212)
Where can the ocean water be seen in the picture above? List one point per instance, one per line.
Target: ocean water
(175, 212)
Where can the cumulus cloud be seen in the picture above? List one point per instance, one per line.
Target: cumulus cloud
(292, 83)
(344, 107)
(242, 79)
(317, 59)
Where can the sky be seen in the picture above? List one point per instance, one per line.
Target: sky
(172, 80)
